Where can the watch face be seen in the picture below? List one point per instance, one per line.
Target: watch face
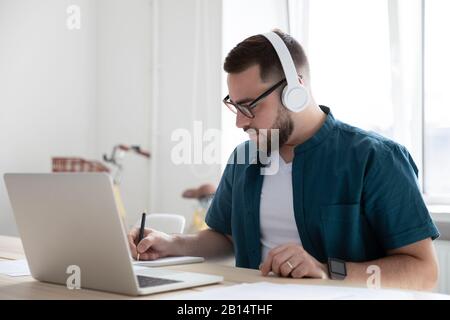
(338, 267)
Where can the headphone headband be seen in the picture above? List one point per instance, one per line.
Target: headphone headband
(285, 58)
(295, 96)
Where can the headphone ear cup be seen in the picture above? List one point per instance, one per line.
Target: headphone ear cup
(295, 99)
(283, 97)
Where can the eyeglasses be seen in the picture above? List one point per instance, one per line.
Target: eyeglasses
(246, 109)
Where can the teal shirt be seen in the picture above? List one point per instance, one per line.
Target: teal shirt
(355, 195)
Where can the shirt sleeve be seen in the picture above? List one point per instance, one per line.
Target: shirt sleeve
(218, 216)
(393, 203)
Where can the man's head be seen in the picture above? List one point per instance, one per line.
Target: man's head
(253, 67)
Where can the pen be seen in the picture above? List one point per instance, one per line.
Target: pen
(141, 232)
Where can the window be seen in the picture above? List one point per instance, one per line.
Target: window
(349, 55)
(366, 65)
(437, 100)
(379, 65)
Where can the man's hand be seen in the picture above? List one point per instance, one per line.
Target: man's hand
(291, 260)
(154, 245)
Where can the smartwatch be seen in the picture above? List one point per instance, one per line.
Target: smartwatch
(336, 269)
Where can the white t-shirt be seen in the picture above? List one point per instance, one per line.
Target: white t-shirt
(277, 221)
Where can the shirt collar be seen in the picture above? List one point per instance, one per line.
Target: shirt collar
(320, 135)
(315, 140)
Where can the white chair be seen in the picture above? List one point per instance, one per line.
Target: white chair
(164, 222)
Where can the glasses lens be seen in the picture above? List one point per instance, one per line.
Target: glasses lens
(231, 106)
(236, 107)
(245, 111)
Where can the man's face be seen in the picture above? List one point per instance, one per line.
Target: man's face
(269, 113)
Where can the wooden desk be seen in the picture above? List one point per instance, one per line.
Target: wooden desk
(28, 288)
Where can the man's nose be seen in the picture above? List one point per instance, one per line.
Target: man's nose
(242, 121)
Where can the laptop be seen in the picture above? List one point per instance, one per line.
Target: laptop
(71, 219)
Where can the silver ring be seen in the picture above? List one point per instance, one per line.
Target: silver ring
(290, 265)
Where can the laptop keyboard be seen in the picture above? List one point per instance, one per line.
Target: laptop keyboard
(145, 281)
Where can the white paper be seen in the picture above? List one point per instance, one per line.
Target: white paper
(272, 291)
(168, 261)
(15, 268)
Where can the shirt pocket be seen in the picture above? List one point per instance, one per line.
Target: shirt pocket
(342, 227)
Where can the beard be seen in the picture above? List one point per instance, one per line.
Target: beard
(285, 126)
(281, 130)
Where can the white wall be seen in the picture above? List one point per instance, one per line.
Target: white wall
(188, 73)
(242, 19)
(133, 73)
(47, 89)
(123, 92)
(159, 69)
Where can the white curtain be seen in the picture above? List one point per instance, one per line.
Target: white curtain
(186, 81)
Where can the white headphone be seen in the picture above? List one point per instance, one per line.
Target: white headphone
(295, 97)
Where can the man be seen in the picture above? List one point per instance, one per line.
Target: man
(339, 192)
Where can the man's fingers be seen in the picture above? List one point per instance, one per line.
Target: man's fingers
(133, 234)
(279, 249)
(132, 246)
(300, 271)
(266, 267)
(274, 265)
(286, 268)
(280, 258)
(146, 243)
(149, 255)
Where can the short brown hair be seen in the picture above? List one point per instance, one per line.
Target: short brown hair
(258, 50)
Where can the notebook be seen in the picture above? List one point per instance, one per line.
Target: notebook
(168, 261)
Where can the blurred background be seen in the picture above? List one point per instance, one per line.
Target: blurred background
(79, 77)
